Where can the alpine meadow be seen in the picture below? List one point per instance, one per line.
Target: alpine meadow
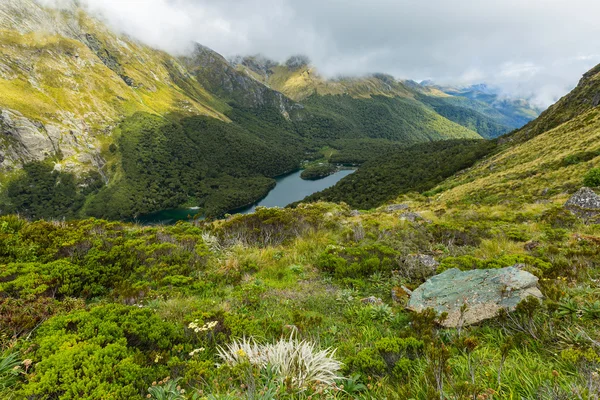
(437, 236)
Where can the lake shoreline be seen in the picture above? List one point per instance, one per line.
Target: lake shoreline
(289, 188)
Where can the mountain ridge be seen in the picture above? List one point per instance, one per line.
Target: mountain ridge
(489, 117)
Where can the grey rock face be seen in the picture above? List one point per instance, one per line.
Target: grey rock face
(423, 260)
(412, 217)
(585, 204)
(484, 292)
(25, 140)
(396, 207)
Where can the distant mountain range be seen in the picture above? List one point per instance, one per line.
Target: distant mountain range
(478, 107)
(83, 104)
(544, 161)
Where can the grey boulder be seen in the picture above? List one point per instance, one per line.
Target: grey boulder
(585, 204)
(396, 207)
(484, 292)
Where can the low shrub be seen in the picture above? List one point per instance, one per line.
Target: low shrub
(592, 178)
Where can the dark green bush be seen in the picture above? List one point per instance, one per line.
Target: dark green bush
(592, 178)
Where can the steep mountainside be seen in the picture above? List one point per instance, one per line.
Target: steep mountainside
(299, 80)
(80, 102)
(66, 80)
(513, 113)
(545, 160)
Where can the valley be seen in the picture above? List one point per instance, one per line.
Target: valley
(182, 225)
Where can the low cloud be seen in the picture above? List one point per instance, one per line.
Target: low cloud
(535, 48)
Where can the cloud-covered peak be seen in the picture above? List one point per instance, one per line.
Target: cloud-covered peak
(536, 48)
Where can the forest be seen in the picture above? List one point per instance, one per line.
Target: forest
(417, 168)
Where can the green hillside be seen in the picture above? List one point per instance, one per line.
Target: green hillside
(94, 101)
(414, 169)
(299, 80)
(300, 303)
(513, 113)
(544, 161)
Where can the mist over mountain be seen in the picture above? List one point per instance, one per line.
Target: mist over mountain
(273, 199)
(511, 44)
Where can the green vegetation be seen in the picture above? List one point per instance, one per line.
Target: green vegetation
(165, 164)
(298, 303)
(92, 308)
(470, 114)
(377, 117)
(511, 113)
(42, 192)
(592, 178)
(318, 172)
(413, 169)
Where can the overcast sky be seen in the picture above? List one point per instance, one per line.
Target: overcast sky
(537, 48)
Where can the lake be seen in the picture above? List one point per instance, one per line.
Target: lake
(290, 188)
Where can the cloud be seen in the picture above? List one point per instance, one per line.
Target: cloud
(533, 48)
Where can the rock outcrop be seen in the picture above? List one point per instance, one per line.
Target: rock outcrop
(585, 204)
(413, 217)
(420, 265)
(484, 292)
(396, 207)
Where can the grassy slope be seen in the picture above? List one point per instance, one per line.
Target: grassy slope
(47, 73)
(300, 83)
(543, 161)
(305, 84)
(67, 70)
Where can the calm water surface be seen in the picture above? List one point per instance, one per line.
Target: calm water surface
(290, 188)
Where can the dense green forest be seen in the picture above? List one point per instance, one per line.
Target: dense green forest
(318, 172)
(165, 164)
(39, 191)
(158, 163)
(413, 169)
(377, 117)
(488, 123)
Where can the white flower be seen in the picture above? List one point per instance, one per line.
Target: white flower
(196, 351)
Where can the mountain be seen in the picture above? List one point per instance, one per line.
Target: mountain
(510, 112)
(96, 123)
(489, 116)
(542, 162)
(67, 80)
(98, 309)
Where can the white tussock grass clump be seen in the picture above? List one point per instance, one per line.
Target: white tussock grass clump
(298, 362)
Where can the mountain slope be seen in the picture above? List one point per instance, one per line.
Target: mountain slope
(66, 80)
(80, 102)
(299, 80)
(513, 113)
(545, 160)
(542, 162)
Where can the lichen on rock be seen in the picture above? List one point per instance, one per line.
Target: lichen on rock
(484, 292)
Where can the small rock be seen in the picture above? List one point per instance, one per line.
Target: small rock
(585, 204)
(532, 245)
(423, 260)
(412, 217)
(484, 292)
(371, 300)
(400, 293)
(396, 207)
(354, 213)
